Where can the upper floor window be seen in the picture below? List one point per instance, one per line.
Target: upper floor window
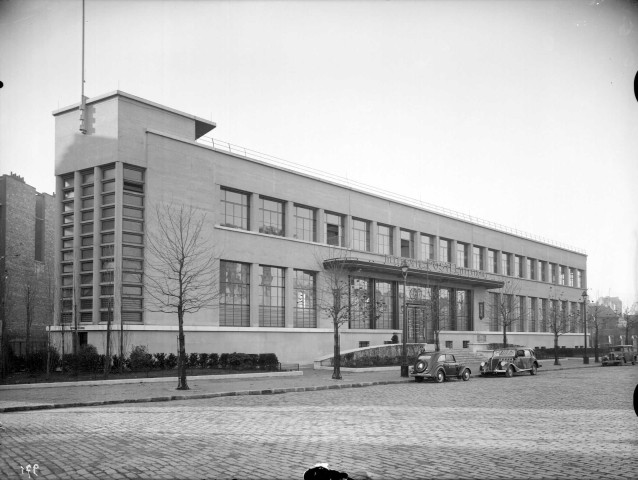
(427, 247)
(477, 258)
(272, 216)
(531, 268)
(518, 266)
(579, 278)
(563, 275)
(235, 209)
(552, 272)
(492, 262)
(461, 255)
(505, 264)
(334, 229)
(542, 267)
(305, 224)
(407, 244)
(571, 277)
(444, 250)
(384, 239)
(360, 235)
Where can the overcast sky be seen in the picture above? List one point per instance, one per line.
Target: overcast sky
(520, 113)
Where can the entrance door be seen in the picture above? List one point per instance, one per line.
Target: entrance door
(418, 320)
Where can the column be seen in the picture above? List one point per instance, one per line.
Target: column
(396, 241)
(254, 220)
(347, 231)
(453, 245)
(254, 294)
(290, 300)
(417, 245)
(320, 225)
(289, 220)
(436, 247)
(373, 237)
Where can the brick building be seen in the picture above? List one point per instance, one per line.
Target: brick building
(26, 257)
(276, 230)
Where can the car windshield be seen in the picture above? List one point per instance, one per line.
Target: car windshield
(504, 353)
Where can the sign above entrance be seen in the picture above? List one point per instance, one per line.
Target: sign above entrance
(437, 267)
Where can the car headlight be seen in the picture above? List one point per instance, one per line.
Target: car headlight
(482, 364)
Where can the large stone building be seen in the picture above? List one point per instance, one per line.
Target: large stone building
(276, 232)
(27, 220)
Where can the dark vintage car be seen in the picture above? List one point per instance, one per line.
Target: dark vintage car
(509, 361)
(619, 355)
(438, 366)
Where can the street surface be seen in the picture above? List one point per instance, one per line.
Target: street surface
(576, 424)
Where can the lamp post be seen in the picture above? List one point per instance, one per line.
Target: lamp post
(404, 360)
(585, 357)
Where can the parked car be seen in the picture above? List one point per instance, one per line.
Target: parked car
(619, 355)
(438, 366)
(509, 361)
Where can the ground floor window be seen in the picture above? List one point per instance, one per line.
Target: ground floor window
(372, 303)
(271, 296)
(234, 302)
(305, 306)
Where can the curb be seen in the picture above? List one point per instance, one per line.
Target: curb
(197, 396)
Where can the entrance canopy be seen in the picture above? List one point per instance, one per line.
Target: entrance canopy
(428, 270)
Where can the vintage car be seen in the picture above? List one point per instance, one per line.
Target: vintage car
(510, 361)
(438, 366)
(619, 355)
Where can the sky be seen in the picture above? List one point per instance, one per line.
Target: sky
(519, 113)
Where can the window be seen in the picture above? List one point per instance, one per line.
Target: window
(305, 224)
(477, 258)
(384, 299)
(563, 279)
(334, 229)
(461, 255)
(571, 277)
(552, 272)
(234, 303)
(407, 244)
(492, 263)
(505, 264)
(427, 247)
(493, 311)
(532, 309)
(384, 239)
(542, 268)
(444, 309)
(108, 173)
(360, 235)
(518, 266)
(444, 250)
(463, 320)
(272, 216)
(522, 313)
(271, 296)
(579, 278)
(305, 311)
(360, 303)
(235, 209)
(531, 268)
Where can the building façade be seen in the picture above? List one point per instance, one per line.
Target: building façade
(276, 231)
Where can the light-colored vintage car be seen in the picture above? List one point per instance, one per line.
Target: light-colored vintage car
(509, 361)
(438, 366)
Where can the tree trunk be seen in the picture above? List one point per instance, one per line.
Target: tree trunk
(556, 362)
(596, 360)
(336, 373)
(504, 334)
(181, 362)
(107, 355)
(121, 364)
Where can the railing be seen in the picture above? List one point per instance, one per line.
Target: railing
(345, 182)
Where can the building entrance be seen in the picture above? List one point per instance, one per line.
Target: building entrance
(420, 328)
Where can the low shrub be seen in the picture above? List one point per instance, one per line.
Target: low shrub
(268, 361)
(160, 360)
(213, 360)
(191, 360)
(171, 361)
(202, 360)
(140, 359)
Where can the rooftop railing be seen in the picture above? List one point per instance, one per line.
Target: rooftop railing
(223, 146)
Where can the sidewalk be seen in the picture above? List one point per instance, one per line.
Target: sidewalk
(15, 398)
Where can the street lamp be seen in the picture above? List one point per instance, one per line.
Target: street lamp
(404, 361)
(585, 357)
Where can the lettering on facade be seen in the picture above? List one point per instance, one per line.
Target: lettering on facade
(435, 266)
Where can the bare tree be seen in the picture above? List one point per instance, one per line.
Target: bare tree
(594, 318)
(506, 310)
(30, 299)
(182, 269)
(560, 322)
(631, 321)
(334, 297)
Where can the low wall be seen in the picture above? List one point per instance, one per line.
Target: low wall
(379, 355)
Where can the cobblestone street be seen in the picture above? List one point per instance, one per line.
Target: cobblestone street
(566, 424)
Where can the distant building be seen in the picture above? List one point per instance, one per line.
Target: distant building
(614, 303)
(278, 229)
(26, 257)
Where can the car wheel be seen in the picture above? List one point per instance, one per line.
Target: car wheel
(509, 373)
(465, 375)
(440, 376)
(533, 370)
(418, 379)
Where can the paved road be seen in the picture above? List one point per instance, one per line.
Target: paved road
(565, 424)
